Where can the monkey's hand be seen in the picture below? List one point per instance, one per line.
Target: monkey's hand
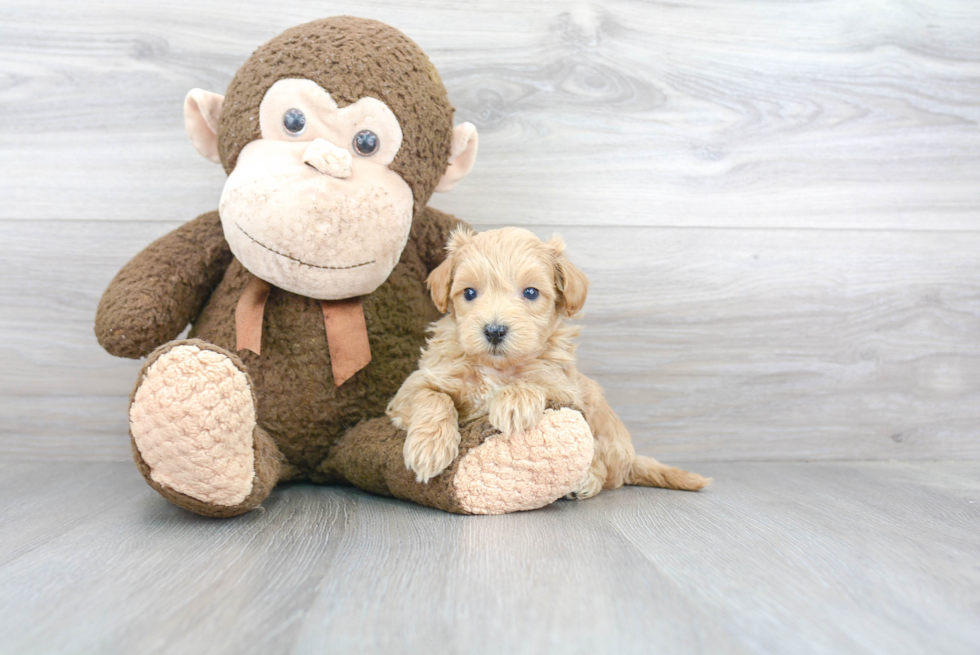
(430, 447)
(516, 408)
(162, 289)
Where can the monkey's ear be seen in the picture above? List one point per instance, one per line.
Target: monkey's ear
(440, 281)
(462, 156)
(201, 111)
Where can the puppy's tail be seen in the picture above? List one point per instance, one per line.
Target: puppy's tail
(648, 472)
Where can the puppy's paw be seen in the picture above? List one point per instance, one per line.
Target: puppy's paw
(516, 409)
(587, 487)
(429, 449)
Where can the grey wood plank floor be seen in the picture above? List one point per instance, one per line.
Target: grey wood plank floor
(853, 557)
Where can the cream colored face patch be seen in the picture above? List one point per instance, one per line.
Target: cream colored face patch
(321, 118)
(312, 206)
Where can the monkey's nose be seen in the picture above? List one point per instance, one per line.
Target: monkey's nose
(328, 158)
(495, 333)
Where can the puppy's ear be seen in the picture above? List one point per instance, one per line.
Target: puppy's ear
(461, 235)
(440, 280)
(572, 284)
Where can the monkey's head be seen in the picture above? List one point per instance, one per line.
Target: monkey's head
(334, 134)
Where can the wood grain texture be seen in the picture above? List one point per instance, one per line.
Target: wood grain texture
(625, 112)
(744, 344)
(774, 558)
(793, 275)
(777, 203)
(711, 344)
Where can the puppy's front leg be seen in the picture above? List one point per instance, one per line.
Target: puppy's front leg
(432, 423)
(432, 444)
(517, 407)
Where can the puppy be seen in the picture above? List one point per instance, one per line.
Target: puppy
(504, 350)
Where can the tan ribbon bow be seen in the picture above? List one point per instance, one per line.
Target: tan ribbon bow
(343, 320)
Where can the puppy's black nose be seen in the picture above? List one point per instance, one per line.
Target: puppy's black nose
(495, 333)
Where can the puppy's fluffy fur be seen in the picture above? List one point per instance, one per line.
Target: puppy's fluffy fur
(504, 351)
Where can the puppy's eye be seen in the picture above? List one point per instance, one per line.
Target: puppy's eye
(294, 121)
(366, 143)
(469, 293)
(531, 293)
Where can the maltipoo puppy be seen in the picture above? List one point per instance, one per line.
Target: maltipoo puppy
(504, 350)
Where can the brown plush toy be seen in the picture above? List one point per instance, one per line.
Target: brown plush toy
(306, 292)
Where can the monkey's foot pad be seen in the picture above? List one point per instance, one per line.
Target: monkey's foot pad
(512, 473)
(192, 418)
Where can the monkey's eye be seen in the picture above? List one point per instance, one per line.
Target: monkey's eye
(366, 143)
(469, 293)
(294, 121)
(531, 293)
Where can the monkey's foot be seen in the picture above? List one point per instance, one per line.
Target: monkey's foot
(527, 470)
(493, 474)
(195, 438)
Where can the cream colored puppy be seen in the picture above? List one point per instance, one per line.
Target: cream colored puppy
(504, 351)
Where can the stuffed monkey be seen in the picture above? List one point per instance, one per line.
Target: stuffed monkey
(306, 291)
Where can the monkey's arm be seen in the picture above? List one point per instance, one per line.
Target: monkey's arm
(431, 230)
(162, 289)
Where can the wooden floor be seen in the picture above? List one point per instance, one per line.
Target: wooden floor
(774, 558)
(778, 205)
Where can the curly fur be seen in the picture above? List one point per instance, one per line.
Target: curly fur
(465, 374)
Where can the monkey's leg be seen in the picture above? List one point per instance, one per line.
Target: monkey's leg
(493, 474)
(193, 430)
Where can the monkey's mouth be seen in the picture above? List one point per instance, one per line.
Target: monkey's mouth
(300, 261)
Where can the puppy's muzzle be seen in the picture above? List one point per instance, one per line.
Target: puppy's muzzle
(495, 333)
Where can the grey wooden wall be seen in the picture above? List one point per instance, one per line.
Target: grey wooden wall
(778, 202)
